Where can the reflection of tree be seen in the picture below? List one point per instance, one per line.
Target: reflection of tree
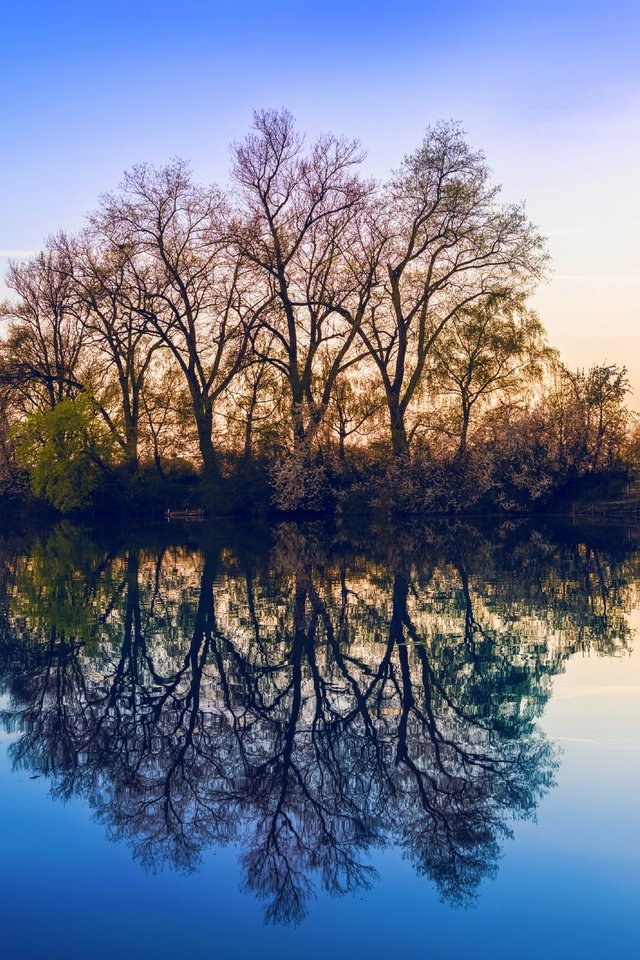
(311, 706)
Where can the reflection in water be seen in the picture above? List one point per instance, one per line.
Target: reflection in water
(308, 698)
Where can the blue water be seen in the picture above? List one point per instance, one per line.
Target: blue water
(566, 882)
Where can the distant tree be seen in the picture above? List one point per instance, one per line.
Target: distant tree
(168, 431)
(11, 481)
(602, 392)
(356, 403)
(586, 418)
(43, 351)
(491, 350)
(256, 412)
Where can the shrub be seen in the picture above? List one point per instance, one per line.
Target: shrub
(67, 452)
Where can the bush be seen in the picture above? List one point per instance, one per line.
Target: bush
(67, 452)
(299, 484)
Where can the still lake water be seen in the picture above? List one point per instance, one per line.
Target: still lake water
(297, 741)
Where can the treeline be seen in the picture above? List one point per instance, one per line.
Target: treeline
(305, 339)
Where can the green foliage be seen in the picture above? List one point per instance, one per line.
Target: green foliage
(67, 452)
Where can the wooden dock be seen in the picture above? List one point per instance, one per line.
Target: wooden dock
(187, 514)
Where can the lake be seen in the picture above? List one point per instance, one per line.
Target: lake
(317, 741)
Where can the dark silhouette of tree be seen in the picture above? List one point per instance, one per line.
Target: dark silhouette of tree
(43, 352)
(197, 298)
(450, 246)
(110, 296)
(305, 226)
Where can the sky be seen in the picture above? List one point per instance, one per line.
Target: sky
(549, 91)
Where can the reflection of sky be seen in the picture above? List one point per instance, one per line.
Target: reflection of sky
(566, 887)
(550, 90)
(597, 701)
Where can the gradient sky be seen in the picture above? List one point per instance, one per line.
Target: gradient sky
(550, 92)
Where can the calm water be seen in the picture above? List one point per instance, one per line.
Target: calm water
(302, 742)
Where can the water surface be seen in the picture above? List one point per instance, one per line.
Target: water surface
(303, 741)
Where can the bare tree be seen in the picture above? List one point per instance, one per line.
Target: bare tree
(198, 299)
(43, 350)
(303, 227)
(450, 245)
(255, 412)
(111, 295)
(166, 414)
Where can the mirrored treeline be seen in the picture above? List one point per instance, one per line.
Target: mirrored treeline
(307, 694)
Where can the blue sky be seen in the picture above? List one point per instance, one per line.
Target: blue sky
(550, 91)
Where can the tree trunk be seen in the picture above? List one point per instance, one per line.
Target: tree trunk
(464, 432)
(131, 447)
(247, 453)
(399, 438)
(204, 425)
(297, 416)
(248, 433)
(341, 450)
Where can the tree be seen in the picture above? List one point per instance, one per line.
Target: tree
(305, 229)
(255, 411)
(601, 393)
(198, 299)
(585, 419)
(169, 429)
(110, 294)
(450, 245)
(43, 352)
(356, 402)
(10, 479)
(493, 349)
